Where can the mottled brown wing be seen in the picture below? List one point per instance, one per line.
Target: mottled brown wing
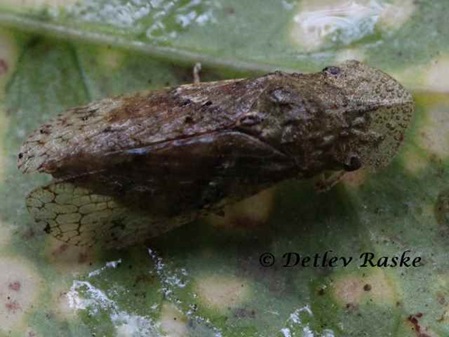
(78, 216)
(78, 140)
(156, 188)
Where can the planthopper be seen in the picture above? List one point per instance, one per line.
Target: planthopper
(131, 167)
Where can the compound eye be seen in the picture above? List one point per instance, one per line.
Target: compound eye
(353, 165)
(332, 70)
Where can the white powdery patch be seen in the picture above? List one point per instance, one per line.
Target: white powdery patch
(345, 21)
(286, 332)
(95, 300)
(84, 296)
(192, 14)
(110, 264)
(156, 18)
(170, 280)
(294, 325)
(295, 318)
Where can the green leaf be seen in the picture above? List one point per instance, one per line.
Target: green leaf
(206, 278)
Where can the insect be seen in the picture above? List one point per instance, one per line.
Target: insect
(132, 167)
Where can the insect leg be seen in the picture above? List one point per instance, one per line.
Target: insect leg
(324, 183)
(196, 73)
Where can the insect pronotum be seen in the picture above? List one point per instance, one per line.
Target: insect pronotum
(131, 167)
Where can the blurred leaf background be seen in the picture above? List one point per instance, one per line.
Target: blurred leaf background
(205, 278)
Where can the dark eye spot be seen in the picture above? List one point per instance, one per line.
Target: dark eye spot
(332, 70)
(353, 165)
(20, 155)
(188, 120)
